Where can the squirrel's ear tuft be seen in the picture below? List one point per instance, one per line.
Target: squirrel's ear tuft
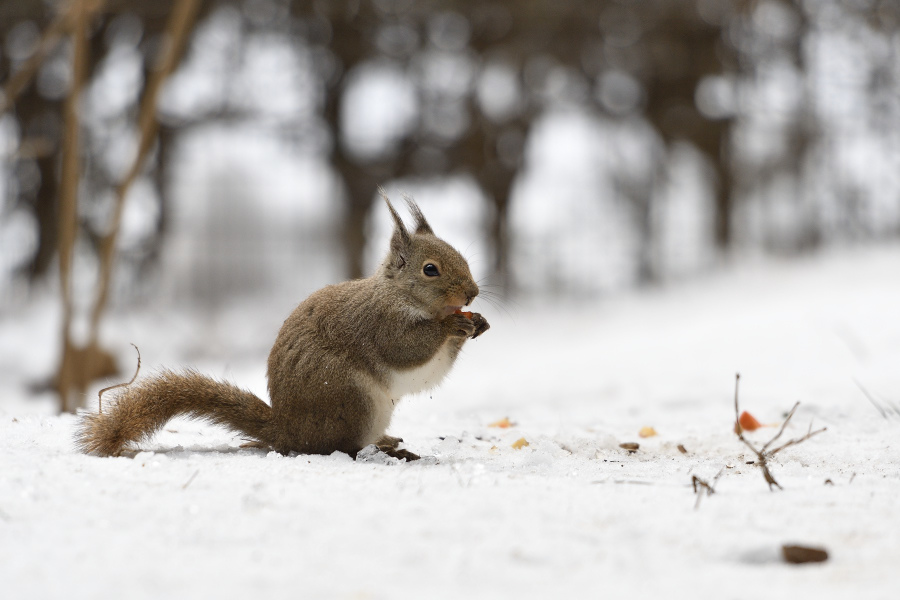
(422, 225)
(400, 239)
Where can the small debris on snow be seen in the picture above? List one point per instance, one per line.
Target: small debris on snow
(797, 555)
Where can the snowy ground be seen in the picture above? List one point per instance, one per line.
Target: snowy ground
(569, 516)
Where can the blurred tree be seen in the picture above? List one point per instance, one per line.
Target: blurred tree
(618, 58)
(468, 81)
(78, 26)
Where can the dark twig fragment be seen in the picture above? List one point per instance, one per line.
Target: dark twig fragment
(700, 486)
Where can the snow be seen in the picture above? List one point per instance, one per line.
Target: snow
(571, 515)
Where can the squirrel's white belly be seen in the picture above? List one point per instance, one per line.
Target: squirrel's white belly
(408, 381)
(427, 376)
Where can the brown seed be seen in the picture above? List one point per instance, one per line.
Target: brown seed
(682, 449)
(803, 554)
(630, 446)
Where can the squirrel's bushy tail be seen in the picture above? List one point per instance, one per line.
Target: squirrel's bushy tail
(140, 410)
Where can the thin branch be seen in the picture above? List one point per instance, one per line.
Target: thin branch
(23, 76)
(197, 472)
(787, 420)
(810, 433)
(118, 385)
(177, 30)
(64, 22)
(886, 414)
(737, 417)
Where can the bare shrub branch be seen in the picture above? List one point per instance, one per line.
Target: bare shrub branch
(764, 454)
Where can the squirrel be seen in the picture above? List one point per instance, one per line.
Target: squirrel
(342, 361)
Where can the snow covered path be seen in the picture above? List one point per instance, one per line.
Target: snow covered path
(571, 515)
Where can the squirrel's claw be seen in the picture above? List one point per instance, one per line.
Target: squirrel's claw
(481, 325)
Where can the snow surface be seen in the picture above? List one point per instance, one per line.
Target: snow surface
(569, 516)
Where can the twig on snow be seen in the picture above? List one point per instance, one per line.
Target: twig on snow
(764, 454)
(700, 486)
(189, 481)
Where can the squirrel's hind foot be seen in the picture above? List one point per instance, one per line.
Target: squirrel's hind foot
(399, 453)
(389, 445)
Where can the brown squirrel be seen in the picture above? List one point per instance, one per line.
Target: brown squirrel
(341, 362)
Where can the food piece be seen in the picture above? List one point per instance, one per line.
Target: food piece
(467, 315)
(646, 432)
(803, 554)
(503, 423)
(748, 422)
(682, 449)
(520, 443)
(630, 446)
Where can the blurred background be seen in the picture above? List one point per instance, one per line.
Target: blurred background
(193, 154)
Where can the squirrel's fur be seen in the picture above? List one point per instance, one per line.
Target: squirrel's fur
(341, 362)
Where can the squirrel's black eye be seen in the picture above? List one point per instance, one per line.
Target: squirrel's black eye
(431, 270)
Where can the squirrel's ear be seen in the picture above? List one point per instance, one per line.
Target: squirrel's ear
(422, 225)
(400, 239)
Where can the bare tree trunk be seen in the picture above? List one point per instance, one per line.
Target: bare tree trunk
(80, 366)
(68, 203)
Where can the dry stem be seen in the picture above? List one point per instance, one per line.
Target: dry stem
(764, 454)
(700, 485)
(118, 385)
(197, 472)
(886, 413)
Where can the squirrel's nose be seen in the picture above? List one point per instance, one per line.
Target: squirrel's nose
(471, 293)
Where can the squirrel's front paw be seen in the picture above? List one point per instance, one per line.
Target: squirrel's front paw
(481, 325)
(461, 325)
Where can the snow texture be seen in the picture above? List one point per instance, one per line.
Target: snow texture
(571, 515)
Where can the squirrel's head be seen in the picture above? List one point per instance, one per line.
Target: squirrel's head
(429, 272)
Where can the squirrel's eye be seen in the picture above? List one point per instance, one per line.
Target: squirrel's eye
(431, 270)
